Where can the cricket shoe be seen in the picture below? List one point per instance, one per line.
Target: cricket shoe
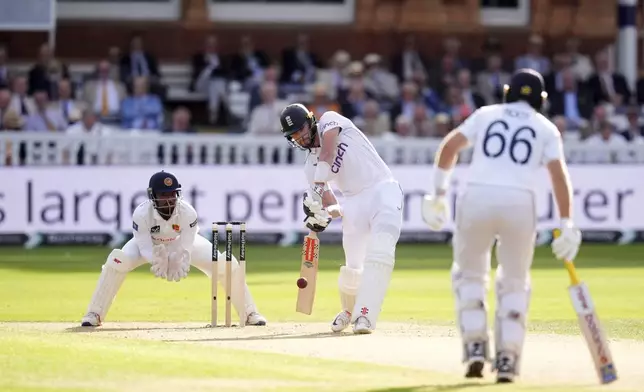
(91, 319)
(256, 319)
(341, 321)
(362, 326)
(475, 354)
(505, 367)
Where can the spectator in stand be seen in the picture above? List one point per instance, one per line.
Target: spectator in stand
(142, 110)
(137, 62)
(336, 75)
(582, 67)
(21, 102)
(410, 62)
(299, 64)
(70, 108)
(46, 73)
(355, 99)
(379, 82)
(209, 76)
(471, 97)
(4, 68)
(10, 121)
(104, 94)
(406, 103)
(569, 102)
(606, 85)
(264, 119)
(421, 121)
(490, 81)
(45, 118)
(321, 101)
(605, 145)
(5, 105)
(534, 58)
(271, 74)
(248, 64)
(373, 122)
(181, 123)
(114, 63)
(633, 132)
(89, 151)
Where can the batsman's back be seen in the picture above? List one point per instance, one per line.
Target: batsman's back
(511, 143)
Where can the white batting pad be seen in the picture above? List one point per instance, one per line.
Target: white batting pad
(109, 282)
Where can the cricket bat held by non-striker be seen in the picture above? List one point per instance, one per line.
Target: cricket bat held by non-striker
(308, 271)
(590, 326)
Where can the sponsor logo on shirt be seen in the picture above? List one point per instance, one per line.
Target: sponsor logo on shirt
(337, 162)
(155, 229)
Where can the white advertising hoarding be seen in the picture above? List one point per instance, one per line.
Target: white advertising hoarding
(101, 199)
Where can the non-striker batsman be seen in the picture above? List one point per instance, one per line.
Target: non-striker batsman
(339, 153)
(511, 142)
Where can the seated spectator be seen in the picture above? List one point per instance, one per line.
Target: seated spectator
(46, 73)
(374, 123)
(567, 135)
(534, 58)
(406, 103)
(248, 64)
(633, 132)
(471, 98)
(271, 74)
(21, 102)
(379, 82)
(142, 111)
(11, 121)
(571, 103)
(264, 119)
(606, 85)
(5, 74)
(457, 108)
(421, 121)
(603, 143)
(299, 65)
(490, 81)
(354, 101)
(88, 151)
(442, 125)
(409, 62)
(137, 62)
(209, 76)
(335, 75)
(321, 101)
(181, 122)
(429, 96)
(69, 108)
(5, 106)
(104, 94)
(45, 118)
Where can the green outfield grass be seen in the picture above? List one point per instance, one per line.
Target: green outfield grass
(55, 284)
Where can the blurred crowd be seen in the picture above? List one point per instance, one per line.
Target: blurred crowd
(405, 96)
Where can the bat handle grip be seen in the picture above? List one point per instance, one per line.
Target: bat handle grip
(570, 266)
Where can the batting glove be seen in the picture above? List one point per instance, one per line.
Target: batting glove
(566, 245)
(435, 211)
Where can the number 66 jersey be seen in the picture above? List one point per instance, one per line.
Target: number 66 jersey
(511, 142)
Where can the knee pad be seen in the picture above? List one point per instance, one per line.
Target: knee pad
(119, 261)
(349, 280)
(382, 247)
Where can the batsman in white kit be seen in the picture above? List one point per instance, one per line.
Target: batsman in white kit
(339, 153)
(166, 235)
(511, 142)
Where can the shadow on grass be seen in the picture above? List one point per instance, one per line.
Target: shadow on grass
(435, 388)
(275, 259)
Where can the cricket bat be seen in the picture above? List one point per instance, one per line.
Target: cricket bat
(590, 325)
(309, 271)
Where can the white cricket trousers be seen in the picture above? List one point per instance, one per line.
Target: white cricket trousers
(485, 214)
